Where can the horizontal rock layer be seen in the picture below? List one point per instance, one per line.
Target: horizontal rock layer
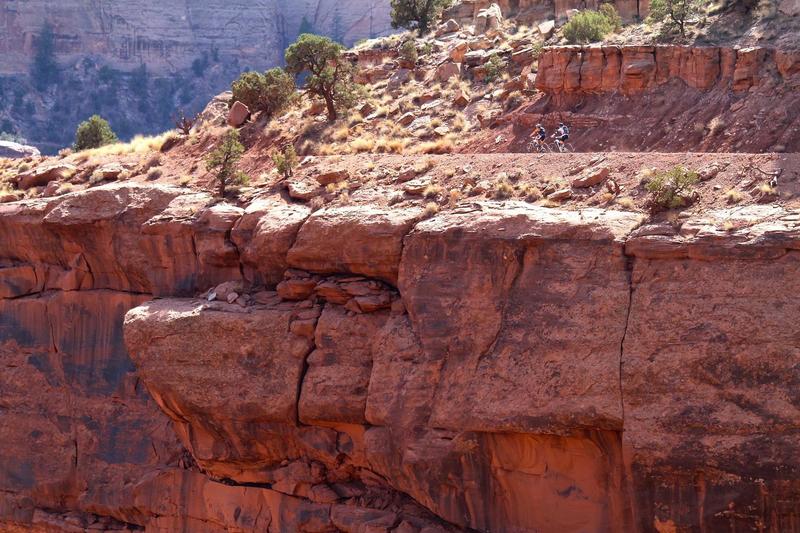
(498, 367)
(631, 69)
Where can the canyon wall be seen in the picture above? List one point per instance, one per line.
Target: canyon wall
(668, 98)
(497, 367)
(138, 63)
(169, 36)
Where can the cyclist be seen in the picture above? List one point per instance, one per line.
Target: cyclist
(539, 136)
(561, 135)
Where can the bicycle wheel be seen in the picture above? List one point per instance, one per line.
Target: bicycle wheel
(569, 147)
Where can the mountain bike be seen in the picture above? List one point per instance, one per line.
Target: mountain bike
(539, 146)
(562, 147)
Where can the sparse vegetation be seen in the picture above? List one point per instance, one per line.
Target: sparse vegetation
(671, 189)
(330, 77)
(494, 68)
(94, 133)
(223, 161)
(733, 196)
(285, 161)
(408, 51)
(588, 27)
(674, 13)
(183, 123)
(270, 92)
(417, 14)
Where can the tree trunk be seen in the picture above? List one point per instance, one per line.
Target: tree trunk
(331, 105)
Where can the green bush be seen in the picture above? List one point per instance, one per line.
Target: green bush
(671, 189)
(285, 161)
(94, 133)
(408, 51)
(494, 68)
(329, 75)
(674, 13)
(224, 159)
(610, 12)
(417, 14)
(587, 27)
(270, 92)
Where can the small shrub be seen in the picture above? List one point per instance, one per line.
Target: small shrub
(224, 159)
(610, 12)
(408, 51)
(503, 189)
(424, 165)
(341, 134)
(431, 208)
(672, 188)
(185, 181)
(445, 145)
(531, 193)
(154, 174)
(363, 144)
(270, 92)
(285, 161)
(587, 27)
(494, 68)
(733, 196)
(716, 125)
(626, 202)
(183, 123)
(454, 197)
(94, 133)
(432, 191)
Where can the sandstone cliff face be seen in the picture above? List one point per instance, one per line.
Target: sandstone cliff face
(624, 97)
(497, 367)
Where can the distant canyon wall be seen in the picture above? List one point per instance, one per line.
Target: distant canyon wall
(169, 36)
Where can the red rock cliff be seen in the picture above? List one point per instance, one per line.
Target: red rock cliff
(498, 367)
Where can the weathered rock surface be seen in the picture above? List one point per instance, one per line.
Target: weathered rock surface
(631, 69)
(497, 367)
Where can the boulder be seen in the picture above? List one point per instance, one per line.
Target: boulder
(332, 176)
(460, 99)
(238, 114)
(44, 174)
(302, 189)
(488, 19)
(399, 78)
(215, 112)
(451, 26)
(448, 70)
(547, 28)
(560, 195)
(474, 58)
(110, 171)
(591, 177)
(457, 52)
(406, 119)
(14, 150)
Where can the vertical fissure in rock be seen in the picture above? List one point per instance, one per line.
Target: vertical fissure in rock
(629, 260)
(304, 370)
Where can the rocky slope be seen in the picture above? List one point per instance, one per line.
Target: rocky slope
(496, 367)
(190, 50)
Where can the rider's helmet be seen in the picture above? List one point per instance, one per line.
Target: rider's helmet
(560, 123)
(538, 125)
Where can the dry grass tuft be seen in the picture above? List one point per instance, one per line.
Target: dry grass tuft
(363, 144)
(445, 145)
(733, 196)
